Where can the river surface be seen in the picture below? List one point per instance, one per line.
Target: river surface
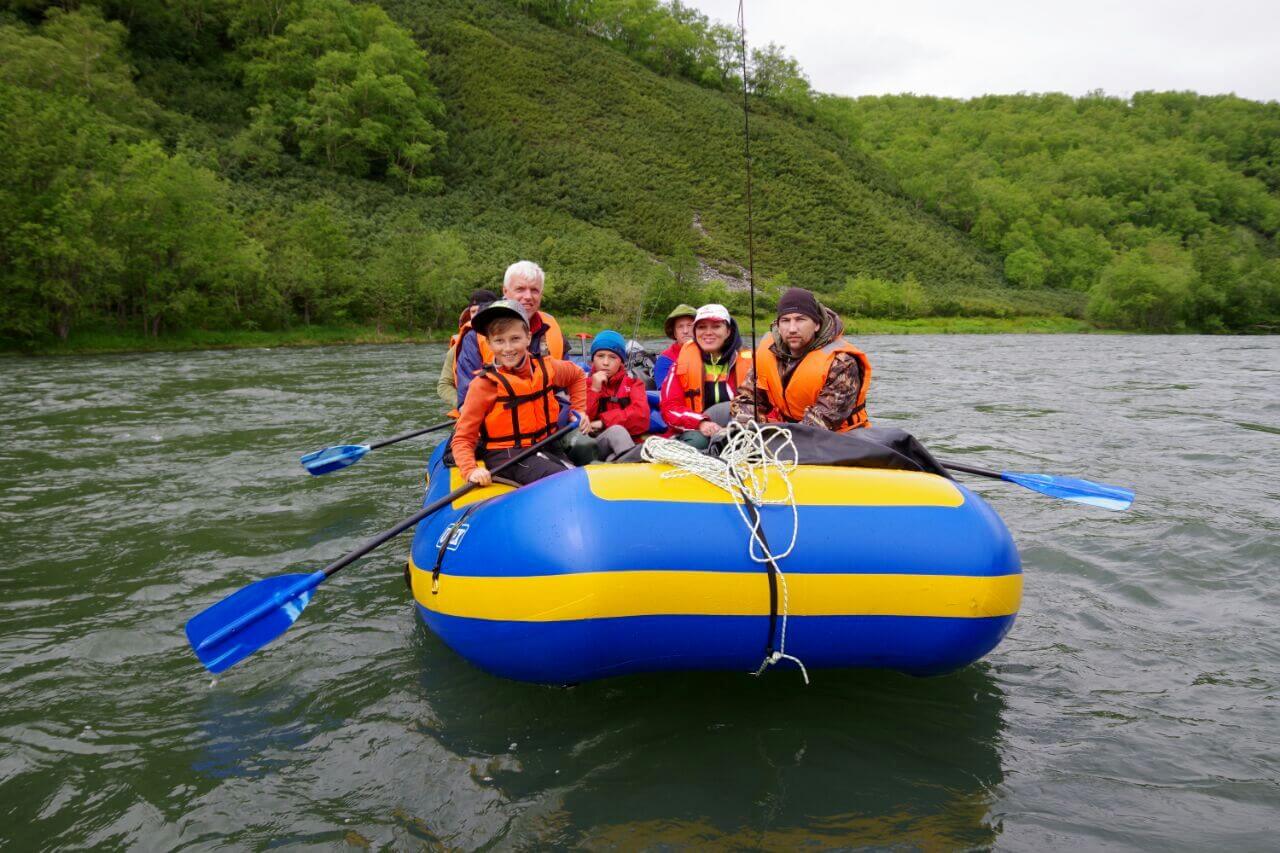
(1135, 704)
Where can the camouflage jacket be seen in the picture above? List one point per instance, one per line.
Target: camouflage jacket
(839, 393)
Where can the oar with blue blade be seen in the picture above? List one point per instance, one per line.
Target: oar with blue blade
(237, 626)
(1066, 488)
(340, 456)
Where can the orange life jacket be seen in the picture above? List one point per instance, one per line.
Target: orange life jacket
(553, 337)
(807, 379)
(691, 373)
(525, 411)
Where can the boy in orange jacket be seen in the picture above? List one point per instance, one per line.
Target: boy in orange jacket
(511, 403)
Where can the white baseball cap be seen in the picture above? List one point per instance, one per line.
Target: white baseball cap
(712, 311)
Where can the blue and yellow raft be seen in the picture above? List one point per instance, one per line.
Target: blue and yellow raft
(610, 569)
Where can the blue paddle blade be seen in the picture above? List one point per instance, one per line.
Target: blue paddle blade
(245, 621)
(332, 458)
(1071, 489)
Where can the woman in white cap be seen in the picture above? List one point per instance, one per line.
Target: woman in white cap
(708, 370)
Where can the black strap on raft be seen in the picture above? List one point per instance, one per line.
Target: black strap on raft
(444, 544)
(773, 578)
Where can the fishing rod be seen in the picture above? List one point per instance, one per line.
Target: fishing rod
(746, 146)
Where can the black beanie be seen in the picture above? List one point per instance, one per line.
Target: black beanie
(482, 298)
(797, 300)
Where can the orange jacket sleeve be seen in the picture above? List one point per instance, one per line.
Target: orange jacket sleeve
(570, 377)
(466, 435)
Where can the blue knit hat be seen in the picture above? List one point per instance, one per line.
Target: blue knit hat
(611, 341)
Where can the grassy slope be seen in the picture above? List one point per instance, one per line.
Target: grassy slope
(559, 122)
(565, 151)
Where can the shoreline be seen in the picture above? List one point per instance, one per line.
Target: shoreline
(106, 342)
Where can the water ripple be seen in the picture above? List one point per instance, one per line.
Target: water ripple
(1133, 705)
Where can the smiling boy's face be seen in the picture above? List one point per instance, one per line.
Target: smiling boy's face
(606, 361)
(509, 339)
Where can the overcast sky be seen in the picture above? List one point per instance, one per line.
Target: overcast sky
(963, 49)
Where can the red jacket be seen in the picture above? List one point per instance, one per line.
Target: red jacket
(675, 407)
(605, 405)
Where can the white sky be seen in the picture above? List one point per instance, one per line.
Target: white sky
(963, 49)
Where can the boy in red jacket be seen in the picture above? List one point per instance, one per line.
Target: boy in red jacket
(617, 405)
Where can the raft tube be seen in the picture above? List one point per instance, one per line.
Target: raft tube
(610, 569)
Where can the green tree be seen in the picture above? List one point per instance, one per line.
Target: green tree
(185, 256)
(419, 277)
(1148, 288)
(76, 54)
(55, 265)
(348, 88)
(310, 262)
(1026, 267)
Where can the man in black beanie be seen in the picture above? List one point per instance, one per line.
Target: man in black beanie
(805, 371)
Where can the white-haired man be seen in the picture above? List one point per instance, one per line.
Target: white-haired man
(522, 282)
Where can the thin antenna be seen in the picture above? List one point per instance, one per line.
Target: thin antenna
(746, 144)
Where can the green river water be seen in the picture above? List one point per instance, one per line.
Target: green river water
(1134, 705)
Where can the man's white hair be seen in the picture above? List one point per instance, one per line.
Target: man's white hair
(527, 270)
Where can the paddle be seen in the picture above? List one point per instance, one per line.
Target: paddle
(340, 456)
(237, 626)
(1066, 488)
(583, 337)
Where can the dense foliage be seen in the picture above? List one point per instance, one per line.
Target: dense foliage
(260, 164)
(1163, 208)
(677, 40)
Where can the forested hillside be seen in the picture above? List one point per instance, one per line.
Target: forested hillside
(267, 164)
(1164, 209)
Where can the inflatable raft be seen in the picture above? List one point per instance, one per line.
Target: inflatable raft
(610, 569)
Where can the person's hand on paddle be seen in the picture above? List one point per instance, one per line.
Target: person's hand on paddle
(481, 477)
(584, 421)
(709, 428)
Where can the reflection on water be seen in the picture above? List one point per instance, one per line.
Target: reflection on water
(1134, 704)
(729, 761)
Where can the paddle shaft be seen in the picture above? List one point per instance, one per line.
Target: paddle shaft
(392, 532)
(410, 434)
(968, 469)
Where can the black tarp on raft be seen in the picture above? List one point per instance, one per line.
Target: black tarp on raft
(869, 447)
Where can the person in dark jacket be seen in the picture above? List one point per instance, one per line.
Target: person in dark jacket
(805, 371)
(447, 384)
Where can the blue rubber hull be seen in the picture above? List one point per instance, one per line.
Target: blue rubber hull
(611, 570)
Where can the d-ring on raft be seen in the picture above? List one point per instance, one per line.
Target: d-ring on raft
(610, 570)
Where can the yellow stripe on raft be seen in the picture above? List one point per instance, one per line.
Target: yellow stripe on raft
(604, 595)
(475, 495)
(815, 485)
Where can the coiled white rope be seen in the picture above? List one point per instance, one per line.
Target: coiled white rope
(752, 457)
